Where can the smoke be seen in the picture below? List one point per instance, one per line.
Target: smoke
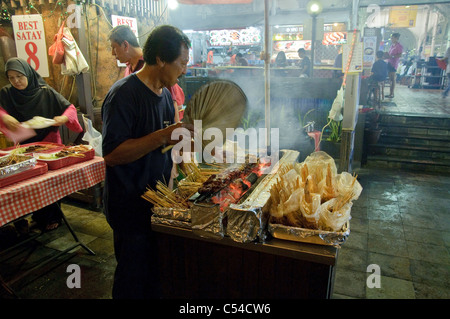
(286, 114)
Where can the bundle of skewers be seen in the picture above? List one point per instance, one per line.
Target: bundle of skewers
(194, 177)
(312, 195)
(163, 196)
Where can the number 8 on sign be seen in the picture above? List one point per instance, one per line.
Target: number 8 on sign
(31, 52)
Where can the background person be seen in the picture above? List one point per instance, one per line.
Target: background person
(304, 64)
(125, 47)
(378, 73)
(281, 62)
(393, 56)
(379, 69)
(338, 64)
(447, 70)
(138, 121)
(27, 96)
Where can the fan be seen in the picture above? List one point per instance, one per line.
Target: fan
(219, 104)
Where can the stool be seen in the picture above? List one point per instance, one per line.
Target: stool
(376, 90)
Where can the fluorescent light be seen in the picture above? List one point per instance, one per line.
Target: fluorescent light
(172, 4)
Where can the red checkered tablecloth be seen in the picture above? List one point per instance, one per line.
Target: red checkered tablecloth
(32, 194)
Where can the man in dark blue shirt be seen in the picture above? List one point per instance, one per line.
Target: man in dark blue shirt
(379, 68)
(138, 121)
(378, 74)
(304, 64)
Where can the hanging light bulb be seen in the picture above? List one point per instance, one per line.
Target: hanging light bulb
(172, 4)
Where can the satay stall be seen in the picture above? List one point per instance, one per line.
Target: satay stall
(249, 230)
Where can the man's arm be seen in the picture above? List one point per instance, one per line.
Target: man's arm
(133, 149)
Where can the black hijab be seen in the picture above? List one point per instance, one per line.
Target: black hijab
(37, 99)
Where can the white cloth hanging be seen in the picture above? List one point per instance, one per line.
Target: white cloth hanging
(74, 61)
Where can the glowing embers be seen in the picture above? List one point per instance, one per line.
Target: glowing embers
(229, 186)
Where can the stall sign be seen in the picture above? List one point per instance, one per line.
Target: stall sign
(334, 38)
(29, 36)
(370, 48)
(132, 22)
(356, 62)
(402, 17)
(291, 46)
(248, 36)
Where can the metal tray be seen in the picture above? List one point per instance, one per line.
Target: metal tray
(173, 213)
(27, 162)
(312, 236)
(170, 222)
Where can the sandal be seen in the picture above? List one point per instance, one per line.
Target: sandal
(389, 96)
(52, 226)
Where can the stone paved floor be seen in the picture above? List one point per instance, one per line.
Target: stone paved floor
(401, 223)
(417, 101)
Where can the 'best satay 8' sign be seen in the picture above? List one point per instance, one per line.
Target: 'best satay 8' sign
(30, 41)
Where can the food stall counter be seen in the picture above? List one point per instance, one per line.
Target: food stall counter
(203, 267)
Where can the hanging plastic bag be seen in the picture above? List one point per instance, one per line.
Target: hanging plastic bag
(442, 63)
(92, 136)
(336, 109)
(74, 61)
(57, 48)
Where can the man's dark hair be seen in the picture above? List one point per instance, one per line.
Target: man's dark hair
(164, 42)
(301, 50)
(380, 54)
(122, 33)
(396, 35)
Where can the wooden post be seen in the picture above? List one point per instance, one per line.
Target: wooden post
(83, 80)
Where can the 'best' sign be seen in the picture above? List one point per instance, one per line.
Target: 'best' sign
(29, 36)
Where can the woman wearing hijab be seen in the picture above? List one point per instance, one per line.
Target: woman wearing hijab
(27, 96)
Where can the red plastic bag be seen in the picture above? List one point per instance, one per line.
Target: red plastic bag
(442, 63)
(57, 48)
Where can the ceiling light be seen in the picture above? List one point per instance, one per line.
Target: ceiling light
(172, 4)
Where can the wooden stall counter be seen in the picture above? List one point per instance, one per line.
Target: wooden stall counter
(196, 267)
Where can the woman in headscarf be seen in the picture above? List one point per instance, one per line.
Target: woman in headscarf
(27, 96)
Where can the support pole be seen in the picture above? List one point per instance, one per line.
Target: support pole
(83, 80)
(267, 70)
(350, 112)
(313, 43)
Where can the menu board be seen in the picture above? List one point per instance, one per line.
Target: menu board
(357, 60)
(248, 36)
(370, 46)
